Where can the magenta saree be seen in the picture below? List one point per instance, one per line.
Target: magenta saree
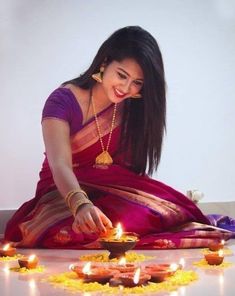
(163, 217)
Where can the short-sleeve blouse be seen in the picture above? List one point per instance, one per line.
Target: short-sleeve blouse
(62, 104)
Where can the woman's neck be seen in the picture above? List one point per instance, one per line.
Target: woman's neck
(99, 97)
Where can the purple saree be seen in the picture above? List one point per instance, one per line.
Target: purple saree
(163, 217)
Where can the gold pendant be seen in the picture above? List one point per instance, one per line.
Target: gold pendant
(104, 159)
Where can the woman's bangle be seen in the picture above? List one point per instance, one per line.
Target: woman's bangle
(80, 201)
(71, 193)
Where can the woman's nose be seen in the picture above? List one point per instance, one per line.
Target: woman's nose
(126, 86)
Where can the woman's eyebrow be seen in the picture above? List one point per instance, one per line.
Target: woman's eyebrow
(129, 74)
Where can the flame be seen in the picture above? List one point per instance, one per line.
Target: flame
(182, 262)
(221, 253)
(32, 258)
(136, 277)
(119, 231)
(87, 268)
(222, 242)
(173, 266)
(122, 261)
(6, 247)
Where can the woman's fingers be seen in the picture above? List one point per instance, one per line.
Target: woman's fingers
(91, 219)
(95, 213)
(106, 222)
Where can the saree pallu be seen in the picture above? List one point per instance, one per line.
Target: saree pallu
(160, 215)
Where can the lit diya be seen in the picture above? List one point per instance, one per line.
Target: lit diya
(7, 250)
(94, 273)
(159, 272)
(122, 266)
(28, 262)
(131, 279)
(118, 242)
(217, 245)
(215, 258)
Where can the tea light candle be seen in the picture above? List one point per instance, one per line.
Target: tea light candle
(214, 258)
(7, 250)
(216, 245)
(28, 262)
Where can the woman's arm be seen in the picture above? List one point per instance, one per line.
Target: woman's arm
(56, 137)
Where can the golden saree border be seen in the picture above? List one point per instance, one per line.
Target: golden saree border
(50, 209)
(88, 135)
(171, 212)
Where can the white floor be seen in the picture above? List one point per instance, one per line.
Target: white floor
(216, 282)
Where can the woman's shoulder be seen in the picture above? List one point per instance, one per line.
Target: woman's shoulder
(81, 95)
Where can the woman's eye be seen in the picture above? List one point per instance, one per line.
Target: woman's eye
(122, 76)
(138, 83)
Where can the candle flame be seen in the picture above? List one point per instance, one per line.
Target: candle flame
(136, 277)
(173, 266)
(121, 287)
(122, 261)
(119, 231)
(182, 262)
(87, 268)
(32, 258)
(222, 242)
(6, 247)
(221, 253)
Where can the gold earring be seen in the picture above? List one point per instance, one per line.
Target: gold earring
(98, 76)
(137, 96)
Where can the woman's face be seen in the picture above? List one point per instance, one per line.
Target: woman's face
(122, 80)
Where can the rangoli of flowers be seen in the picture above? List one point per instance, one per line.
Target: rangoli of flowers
(203, 264)
(38, 269)
(11, 258)
(104, 257)
(70, 281)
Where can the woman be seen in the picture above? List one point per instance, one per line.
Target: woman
(102, 131)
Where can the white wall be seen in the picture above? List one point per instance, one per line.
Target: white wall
(44, 43)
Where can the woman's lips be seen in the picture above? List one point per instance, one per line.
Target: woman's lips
(119, 94)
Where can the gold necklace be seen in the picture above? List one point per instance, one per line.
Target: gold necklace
(104, 158)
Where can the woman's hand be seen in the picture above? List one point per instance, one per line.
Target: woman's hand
(90, 219)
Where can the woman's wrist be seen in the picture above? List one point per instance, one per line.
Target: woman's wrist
(76, 198)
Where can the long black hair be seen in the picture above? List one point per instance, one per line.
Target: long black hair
(144, 120)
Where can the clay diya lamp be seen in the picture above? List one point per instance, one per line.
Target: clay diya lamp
(131, 279)
(7, 250)
(100, 275)
(214, 258)
(216, 245)
(122, 266)
(94, 273)
(119, 243)
(170, 269)
(158, 274)
(28, 262)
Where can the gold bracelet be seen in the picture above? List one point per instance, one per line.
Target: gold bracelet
(78, 203)
(81, 200)
(71, 193)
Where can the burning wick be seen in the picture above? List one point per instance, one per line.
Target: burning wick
(87, 268)
(136, 277)
(119, 231)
